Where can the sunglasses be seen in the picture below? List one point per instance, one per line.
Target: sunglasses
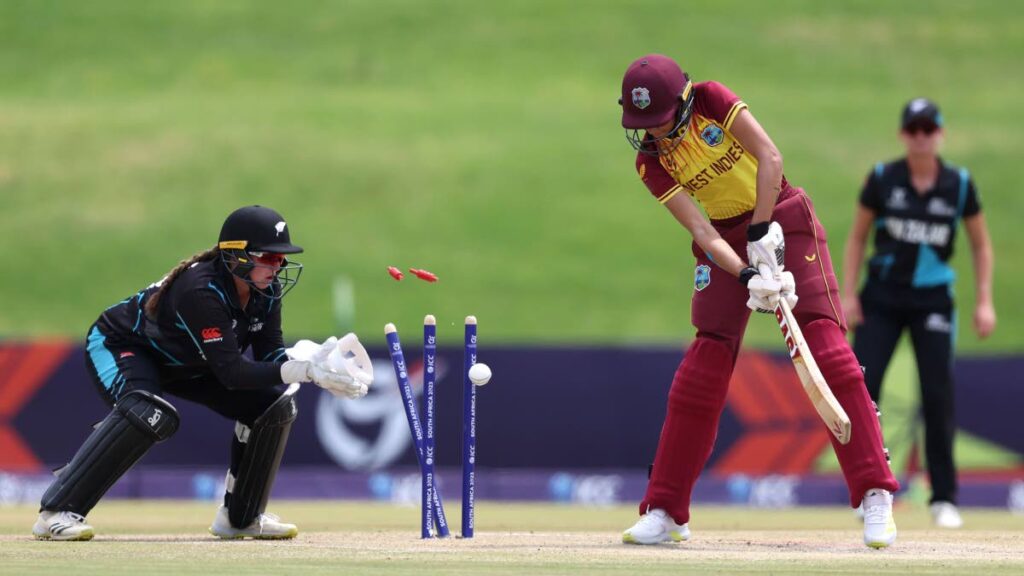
(928, 128)
(268, 258)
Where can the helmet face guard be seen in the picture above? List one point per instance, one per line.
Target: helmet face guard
(644, 143)
(241, 263)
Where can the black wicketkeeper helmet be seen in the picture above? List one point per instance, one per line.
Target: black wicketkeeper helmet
(249, 235)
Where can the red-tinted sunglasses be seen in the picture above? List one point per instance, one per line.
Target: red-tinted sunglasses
(928, 128)
(268, 258)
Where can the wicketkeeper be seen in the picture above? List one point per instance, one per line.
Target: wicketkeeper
(185, 336)
(699, 144)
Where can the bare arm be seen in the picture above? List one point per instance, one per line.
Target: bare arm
(704, 234)
(853, 257)
(755, 140)
(981, 251)
(853, 254)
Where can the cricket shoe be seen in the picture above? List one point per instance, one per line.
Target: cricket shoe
(266, 527)
(879, 527)
(655, 527)
(61, 526)
(946, 515)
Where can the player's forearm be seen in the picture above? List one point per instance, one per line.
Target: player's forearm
(853, 257)
(983, 265)
(769, 184)
(721, 253)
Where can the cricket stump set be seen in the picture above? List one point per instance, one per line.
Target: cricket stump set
(433, 516)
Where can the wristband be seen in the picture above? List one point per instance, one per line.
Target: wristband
(746, 274)
(757, 231)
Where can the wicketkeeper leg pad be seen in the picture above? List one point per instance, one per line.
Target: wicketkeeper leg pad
(264, 447)
(863, 460)
(139, 420)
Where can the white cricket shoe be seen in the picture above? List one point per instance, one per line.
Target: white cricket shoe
(61, 526)
(656, 527)
(266, 527)
(946, 515)
(879, 527)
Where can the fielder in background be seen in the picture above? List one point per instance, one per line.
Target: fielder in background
(698, 143)
(185, 336)
(914, 205)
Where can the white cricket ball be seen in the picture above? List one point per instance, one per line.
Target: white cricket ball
(479, 374)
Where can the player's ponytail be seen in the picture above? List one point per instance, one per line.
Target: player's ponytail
(154, 301)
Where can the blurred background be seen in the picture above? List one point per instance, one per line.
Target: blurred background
(482, 143)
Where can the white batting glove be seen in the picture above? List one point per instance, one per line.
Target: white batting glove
(768, 249)
(765, 290)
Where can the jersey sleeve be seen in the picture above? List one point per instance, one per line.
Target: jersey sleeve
(715, 101)
(204, 316)
(660, 183)
(870, 193)
(268, 345)
(972, 205)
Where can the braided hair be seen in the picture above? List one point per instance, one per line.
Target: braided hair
(154, 301)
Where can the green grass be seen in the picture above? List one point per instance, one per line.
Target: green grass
(478, 141)
(361, 538)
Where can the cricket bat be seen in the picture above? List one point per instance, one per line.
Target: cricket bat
(810, 376)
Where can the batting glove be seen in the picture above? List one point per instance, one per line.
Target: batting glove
(766, 246)
(765, 290)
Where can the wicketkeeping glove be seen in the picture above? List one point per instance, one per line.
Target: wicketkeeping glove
(329, 367)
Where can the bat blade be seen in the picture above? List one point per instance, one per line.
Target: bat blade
(825, 403)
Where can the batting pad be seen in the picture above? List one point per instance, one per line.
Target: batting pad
(863, 460)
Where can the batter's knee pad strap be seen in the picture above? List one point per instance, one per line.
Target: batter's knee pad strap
(138, 420)
(264, 447)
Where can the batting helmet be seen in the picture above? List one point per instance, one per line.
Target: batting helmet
(654, 91)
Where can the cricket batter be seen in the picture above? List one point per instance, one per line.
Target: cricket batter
(914, 205)
(699, 144)
(184, 336)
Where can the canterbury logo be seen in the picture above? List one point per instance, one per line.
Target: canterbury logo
(211, 335)
(155, 417)
(812, 257)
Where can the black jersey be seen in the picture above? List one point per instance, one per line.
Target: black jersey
(914, 232)
(201, 329)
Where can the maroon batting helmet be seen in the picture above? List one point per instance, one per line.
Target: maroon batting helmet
(654, 91)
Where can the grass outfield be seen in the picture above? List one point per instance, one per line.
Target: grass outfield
(479, 141)
(360, 538)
